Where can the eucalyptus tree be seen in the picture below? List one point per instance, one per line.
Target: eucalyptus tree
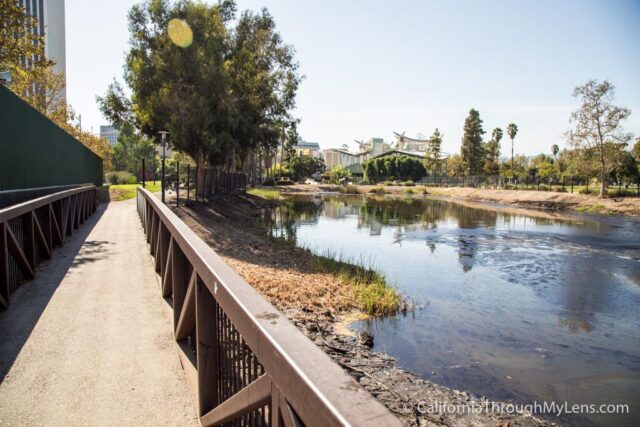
(512, 131)
(222, 86)
(598, 126)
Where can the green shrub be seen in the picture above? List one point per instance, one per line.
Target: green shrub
(409, 183)
(350, 189)
(409, 191)
(120, 177)
(378, 190)
(284, 181)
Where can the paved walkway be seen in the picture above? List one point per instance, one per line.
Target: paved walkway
(89, 342)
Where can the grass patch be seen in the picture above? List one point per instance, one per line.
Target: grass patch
(409, 191)
(595, 209)
(378, 190)
(372, 292)
(120, 192)
(265, 193)
(349, 189)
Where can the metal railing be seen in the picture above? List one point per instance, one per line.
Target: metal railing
(29, 231)
(245, 363)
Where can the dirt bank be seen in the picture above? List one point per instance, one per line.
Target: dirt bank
(550, 200)
(317, 303)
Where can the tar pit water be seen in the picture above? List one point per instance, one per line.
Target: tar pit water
(526, 306)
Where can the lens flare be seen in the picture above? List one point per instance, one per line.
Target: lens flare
(180, 33)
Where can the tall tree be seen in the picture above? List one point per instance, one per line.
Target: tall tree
(472, 151)
(494, 147)
(434, 151)
(223, 92)
(512, 131)
(598, 126)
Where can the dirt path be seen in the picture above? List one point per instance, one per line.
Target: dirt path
(89, 341)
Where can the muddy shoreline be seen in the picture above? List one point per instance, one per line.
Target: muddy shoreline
(552, 201)
(318, 306)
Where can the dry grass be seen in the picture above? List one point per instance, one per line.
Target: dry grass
(288, 276)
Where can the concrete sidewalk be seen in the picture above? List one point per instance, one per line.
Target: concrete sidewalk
(89, 341)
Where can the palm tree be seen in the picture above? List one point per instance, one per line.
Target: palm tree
(555, 149)
(496, 135)
(512, 131)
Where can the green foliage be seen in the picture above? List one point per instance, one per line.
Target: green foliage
(455, 165)
(121, 177)
(472, 151)
(393, 167)
(432, 159)
(265, 193)
(302, 167)
(131, 148)
(338, 173)
(378, 190)
(409, 191)
(223, 97)
(598, 126)
(350, 189)
(374, 295)
(19, 39)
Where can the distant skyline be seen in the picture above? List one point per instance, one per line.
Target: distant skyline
(375, 67)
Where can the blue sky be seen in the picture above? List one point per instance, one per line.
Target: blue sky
(374, 67)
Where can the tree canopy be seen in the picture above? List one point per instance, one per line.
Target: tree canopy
(223, 93)
(598, 126)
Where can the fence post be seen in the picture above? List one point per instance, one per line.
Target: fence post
(563, 184)
(619, 187)
(571, 184)
(177, 183)
(143, 174)
(195, 186)
(188, 179)
(587, 186)
(163, 180)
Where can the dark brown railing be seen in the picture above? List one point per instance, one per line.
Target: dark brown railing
(245, 363)
(29, 231)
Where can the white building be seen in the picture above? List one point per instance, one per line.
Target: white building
(50, 16)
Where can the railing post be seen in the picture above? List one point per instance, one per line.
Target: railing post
(143, 174)
(207, 349)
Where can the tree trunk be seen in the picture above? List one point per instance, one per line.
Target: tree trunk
(603, 179)
(200, 176)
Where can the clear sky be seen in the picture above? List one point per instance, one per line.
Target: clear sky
(374, 67)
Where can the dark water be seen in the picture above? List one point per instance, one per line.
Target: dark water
(515, 307)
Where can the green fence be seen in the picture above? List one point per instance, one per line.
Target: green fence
(35, 152)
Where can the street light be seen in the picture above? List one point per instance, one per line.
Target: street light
(163, 135)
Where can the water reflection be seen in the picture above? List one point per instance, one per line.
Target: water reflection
(515, 307)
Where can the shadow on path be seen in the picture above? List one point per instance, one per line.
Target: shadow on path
(30, 300)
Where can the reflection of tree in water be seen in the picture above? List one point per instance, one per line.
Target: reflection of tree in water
(404, 215)
(470, 221)
(585, 292)
(281, 222)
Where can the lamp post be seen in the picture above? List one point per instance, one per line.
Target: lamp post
(163, 134)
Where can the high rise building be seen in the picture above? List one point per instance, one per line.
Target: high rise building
(50, 16)
(110, 133)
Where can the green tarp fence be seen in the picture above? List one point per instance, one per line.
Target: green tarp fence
(35, 152)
